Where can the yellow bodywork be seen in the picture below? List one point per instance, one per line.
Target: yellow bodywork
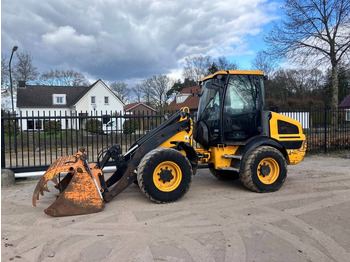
(184, 136)
(295, 155)
(217, 154)
(233, 72)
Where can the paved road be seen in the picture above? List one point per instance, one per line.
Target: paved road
(308, 219)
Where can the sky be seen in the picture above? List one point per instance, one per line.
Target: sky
(119, 40)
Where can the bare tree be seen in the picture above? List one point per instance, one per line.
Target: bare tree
(303, 81)
(121, 90)
(219, 64)
(196, 67)
(4, 72)
(264, 62)
(314, 30)
(148, 92)
(293, 88)
(24, 70)
(49, 78)
(62, 78)
(199, 66)
(73, 78)
(160, 85)
(223, 64)
(137, 91)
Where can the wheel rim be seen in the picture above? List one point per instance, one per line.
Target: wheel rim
(268, 170)
(167, 176)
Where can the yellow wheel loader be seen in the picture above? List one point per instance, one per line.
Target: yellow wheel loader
(233, 136)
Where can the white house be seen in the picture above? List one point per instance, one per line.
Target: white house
(38, 103)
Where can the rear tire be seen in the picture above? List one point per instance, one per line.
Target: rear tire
(224, 175)
(164, 175)
(265, 170)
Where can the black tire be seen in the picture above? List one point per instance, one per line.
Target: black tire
(194, 170)
(164, 175)
(224, 175)
(265, 170)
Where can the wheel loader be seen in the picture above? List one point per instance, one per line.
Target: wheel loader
(233, 136)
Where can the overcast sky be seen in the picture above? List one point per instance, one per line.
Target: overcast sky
(119, 40)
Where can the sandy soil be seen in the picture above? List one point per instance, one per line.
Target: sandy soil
(308, 219)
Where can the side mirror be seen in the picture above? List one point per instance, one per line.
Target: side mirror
(274, 109)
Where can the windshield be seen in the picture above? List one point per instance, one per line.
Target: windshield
(209, 103)
(241, 95)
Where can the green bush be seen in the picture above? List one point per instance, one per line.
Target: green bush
(10, 126)
(129, 126)
(93, 126)
(52, 127)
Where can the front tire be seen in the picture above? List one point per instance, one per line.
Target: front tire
(265, 170)
(164, 175)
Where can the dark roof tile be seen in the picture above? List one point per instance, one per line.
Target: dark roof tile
(41, 96)
(133, 105)
(346, 102)
(191, 101)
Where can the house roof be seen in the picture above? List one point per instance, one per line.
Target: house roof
(104, 84)
(41, 96)
(132, 106)
(191, 101)
(346, 102)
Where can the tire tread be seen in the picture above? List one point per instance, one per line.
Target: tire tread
(246, 177)
(140, 173)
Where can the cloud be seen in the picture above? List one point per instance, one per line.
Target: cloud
(67, 34)
(119, 40)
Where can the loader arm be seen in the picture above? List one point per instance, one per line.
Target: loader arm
(84, 190)
(177, 123)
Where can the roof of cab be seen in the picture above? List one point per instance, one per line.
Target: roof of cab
(233, 72)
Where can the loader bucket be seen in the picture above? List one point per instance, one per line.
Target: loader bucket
(80, 189)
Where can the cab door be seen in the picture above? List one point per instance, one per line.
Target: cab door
(241, 111)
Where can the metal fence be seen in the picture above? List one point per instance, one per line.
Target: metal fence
(31, 142)
(325, 129)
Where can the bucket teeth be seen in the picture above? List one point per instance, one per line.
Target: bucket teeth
(63, 164)
(79, 189)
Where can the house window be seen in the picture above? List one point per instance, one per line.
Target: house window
(180, 98)
(35, 124)
(93, 100)
(30, 124)
(106, 119)
(106, 100)
(347, 114)
(59, 99)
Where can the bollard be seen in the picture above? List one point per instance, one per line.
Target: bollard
(7, 178)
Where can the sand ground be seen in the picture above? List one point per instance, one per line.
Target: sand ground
(308, 219)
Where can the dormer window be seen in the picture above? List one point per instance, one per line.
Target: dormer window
(180, 98)
(59, 99)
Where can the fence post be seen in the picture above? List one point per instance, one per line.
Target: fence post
(325, 130)
(2, 144)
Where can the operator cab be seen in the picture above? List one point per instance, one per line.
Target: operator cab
(230, 108)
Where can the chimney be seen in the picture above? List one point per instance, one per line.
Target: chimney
(22, 84)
